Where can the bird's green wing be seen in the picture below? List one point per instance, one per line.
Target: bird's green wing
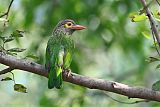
(48, 54)
(52, 63)
(68, 52)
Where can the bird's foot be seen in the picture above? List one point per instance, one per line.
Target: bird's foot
(68, 72)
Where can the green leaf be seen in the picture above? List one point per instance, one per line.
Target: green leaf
(11, 53)
(152, 59)
(17, 33)
(7, 39)
(16, 50)
(155, 44)
(20, 31)
(138, 18)
(20, 88)
(156, 15)
(158, 66)
(6, 79)
(32, 56)
(132, 15)
(146, 34)
(156, 86)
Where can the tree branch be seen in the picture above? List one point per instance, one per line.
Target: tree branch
(152, 22)
(92, 83)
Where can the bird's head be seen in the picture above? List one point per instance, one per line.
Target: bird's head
(67, 27)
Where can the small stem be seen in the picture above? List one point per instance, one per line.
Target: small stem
(155, 43)
(6, 13)
(152, 21)
(158, 2)
(13, 77)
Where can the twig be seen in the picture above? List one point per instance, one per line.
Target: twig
(158, 2)
(152, 22)
(140, 101)
(92, 83)
(155, 43)
(6, 70)
(13, 77)
(7, 13)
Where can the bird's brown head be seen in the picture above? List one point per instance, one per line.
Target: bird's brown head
(67, 27)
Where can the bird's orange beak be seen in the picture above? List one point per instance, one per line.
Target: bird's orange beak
(78, 27)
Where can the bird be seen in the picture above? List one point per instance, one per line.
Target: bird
(59, 51)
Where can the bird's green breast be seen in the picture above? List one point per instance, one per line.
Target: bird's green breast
(60, 45)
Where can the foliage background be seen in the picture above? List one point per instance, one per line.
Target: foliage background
(112, 47)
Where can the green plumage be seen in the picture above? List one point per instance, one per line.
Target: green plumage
(58, 57)
(59, 51)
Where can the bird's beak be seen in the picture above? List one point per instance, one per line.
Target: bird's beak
(78, 27)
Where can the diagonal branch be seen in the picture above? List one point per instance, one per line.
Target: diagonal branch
(7, 12)
(92, 83)
(158, 2)
(152, 21)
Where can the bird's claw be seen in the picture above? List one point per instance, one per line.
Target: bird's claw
(69, 72)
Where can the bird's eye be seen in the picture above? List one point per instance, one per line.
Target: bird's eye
(68, 25)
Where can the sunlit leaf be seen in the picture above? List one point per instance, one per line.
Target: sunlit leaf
(6, 79)
(156, 86)
(20, 88)
(7, 39)
(146, 34)
(138, 18)
(132, 15)
(16, 50)
(152, 59)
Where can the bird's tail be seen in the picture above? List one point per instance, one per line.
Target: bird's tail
(55, 77)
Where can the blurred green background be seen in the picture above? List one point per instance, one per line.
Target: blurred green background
(112, 48)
